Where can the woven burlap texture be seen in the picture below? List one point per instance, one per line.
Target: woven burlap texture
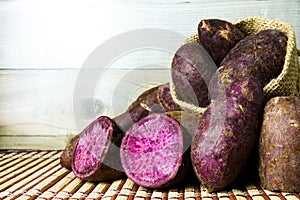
(286, 84)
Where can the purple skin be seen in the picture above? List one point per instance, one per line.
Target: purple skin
(165, 99)
(188, 120)
(156, 99)
(147, 102)
(67, 154)
(279, 145)
(226, 134)
(218, 37)
(260, 55)
(152, 151)
(96, 156)
(192, 69)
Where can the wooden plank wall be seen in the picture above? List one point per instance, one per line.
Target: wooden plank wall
(43, 45)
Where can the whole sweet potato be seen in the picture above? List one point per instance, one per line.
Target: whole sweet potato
(152, 152)
(260, 55)
(226, 134)
(279, 145)
(192, 69)
(218, 37)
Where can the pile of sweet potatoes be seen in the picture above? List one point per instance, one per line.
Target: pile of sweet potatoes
(156, 143)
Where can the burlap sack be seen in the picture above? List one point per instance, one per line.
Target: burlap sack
(287, 83)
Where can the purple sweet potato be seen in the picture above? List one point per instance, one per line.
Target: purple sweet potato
(192, 69)
(152, 152)
(96, 155)
(165, 99)
(218, 37)
(146, 102)
(260, 55)
(156, 99)
(279, 145)
(137, 110)
(188, 120)
(226, 134)
(67, 154)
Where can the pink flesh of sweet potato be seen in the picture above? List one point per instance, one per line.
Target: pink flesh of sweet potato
(151, 151)
(94, 146)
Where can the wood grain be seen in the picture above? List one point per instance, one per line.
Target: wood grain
(44, 45)
(37, 106)
(61, 34)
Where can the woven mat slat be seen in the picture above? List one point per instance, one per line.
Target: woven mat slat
(205, 195)
(45, 184)
(11, 158)
(27, 162)
(255, 192)
(83, 191)
(159, 194)
(189, 192)
(23, 172)
(290, 196)
(127, 190)
(5, 156)
(223, 195)
(26, 184)
(15, 164)
(239, 194)
(114, 189)
(70, 189)
(51, 192)
(99, 191)
(174, 193)
(142, 193)
(44, 178)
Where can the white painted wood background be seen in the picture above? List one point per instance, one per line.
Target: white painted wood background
(43, 45)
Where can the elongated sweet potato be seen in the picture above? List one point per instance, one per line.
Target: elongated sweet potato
(260, 55)
(279, 145)
(218, 37)
(192, 69)
(152, 152)
(226, 134)
(96, 155)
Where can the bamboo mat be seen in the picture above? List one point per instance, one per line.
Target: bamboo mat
(38, 175)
